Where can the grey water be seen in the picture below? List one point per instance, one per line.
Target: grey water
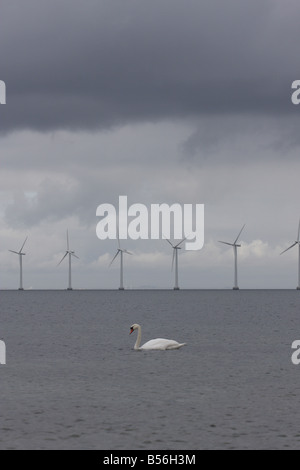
(73, 381)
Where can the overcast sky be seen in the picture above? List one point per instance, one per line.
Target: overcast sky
(183, 101)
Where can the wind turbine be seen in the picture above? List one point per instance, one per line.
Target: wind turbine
(20, 254)
(120, 252)
(297, 242)
(235, 246)
(175, 258)
(70, 253)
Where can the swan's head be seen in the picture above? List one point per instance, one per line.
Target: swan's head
(135, 326)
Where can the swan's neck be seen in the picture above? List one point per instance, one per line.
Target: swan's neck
(139, 337)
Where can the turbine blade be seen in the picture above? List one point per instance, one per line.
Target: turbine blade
(63, 258)
(226, 243)
(75, 256)
(178, 244)
(23, 245)
(289, 248)
(16, 252)
(114, 258)
(239, 234)
(169, 242)
(128, 252)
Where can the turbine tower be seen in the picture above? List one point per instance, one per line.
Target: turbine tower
(235, 246)
(297, 242)
(70, 253)
(175, 258)
(20, 254)
(120, 252)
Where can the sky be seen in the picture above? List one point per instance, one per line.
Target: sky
(174, 101)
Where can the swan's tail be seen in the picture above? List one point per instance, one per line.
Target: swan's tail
(176, 346)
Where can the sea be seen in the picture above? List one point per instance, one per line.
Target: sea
(72, 379)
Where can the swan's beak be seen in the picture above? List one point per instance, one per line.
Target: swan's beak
(131, 330)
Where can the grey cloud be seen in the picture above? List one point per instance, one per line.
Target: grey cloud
(254, 137)
(52, 201)
(89, 65)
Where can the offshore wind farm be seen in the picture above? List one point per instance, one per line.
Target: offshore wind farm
(176, 247)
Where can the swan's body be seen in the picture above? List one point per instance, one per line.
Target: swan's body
(160, 344)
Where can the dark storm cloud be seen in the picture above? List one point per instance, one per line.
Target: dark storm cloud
(89, 64)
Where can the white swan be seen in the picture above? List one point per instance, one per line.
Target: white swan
(158, 343)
